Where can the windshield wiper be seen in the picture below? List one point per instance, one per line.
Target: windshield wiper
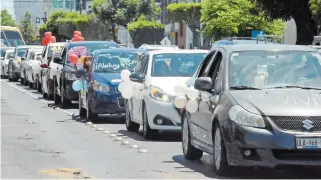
(244, 88)
(301, 87)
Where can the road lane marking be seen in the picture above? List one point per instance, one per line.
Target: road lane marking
(65, 173)
(93, 126)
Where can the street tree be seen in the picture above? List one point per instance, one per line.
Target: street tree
(6, 18)
(315, 7)
(224, 18)
(122, 12)
(188, 13)
(27, 29)
(299, 10)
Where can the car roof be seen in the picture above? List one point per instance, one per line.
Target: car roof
(265, 47)
(30, 46)
(79, 43)
(181, 51)
(101, 51)
(57, 44)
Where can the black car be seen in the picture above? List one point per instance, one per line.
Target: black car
(65, 70)
(258, 105)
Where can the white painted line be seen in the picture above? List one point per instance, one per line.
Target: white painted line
(118, 139)
(142, 151)
(99, 129)
(134, 146)
(106, 132)
(89, 123)
(112, 135)
(125, 143)
(94, 126)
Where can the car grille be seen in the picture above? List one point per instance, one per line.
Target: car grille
(295, 124)
(121, 102)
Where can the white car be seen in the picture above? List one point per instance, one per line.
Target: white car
(151, 47)
(45, 81)
(33, 68)
(154, 80)
(5, 55)
(25, 65)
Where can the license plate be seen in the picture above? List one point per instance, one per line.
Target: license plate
(308, 143)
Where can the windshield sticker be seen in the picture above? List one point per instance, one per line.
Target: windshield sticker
(78, 50)
(106, 65)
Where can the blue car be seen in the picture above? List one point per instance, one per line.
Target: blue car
(100, 94)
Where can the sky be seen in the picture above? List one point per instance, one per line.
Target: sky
(8, 4)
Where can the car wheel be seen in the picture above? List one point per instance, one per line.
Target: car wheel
(64, 101)
(190, 152)
(39, 88)
(130, 125)
(22, 80)
(90, 115)
(147, 131)
(49, 89)
(30, 85)
(2, 73)
(9, 74)
(82, 111)
(221, 166)
(56, 96)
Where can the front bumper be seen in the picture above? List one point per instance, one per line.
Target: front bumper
(103, 103)
(269, 147)
(156, 109)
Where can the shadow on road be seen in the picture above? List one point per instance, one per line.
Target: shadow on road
(163, 136)
(205, 167)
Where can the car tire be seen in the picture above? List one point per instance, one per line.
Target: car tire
(148, 133)
(2, 74)
(82, 111)
(39, 87)
(31, 85)
(92, 117)
(9, 72)
(56, 96)
(130, 125)
(189, 151)
(22, 81)
(65, 103)
(49, 96)
(221, 165)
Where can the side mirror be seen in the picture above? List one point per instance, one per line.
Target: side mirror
(80, 73)
(57, 60)
(44, 65)
(137, 77)
(204, 84)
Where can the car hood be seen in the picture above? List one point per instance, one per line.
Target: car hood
(167, 84)
(287, 102)
(107, 78)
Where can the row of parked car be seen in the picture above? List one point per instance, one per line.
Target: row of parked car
(247, 105)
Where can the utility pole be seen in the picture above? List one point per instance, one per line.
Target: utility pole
(46, 7)
(80, 6)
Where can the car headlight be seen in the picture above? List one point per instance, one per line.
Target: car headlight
(158, 94)
(101, 87)
(245, 118)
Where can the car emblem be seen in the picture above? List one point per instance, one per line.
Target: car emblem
(307, 124)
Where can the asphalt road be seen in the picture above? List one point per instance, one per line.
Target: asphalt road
(39, 140)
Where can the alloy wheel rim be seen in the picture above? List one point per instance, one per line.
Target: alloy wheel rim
(217, 149)
(185, 136)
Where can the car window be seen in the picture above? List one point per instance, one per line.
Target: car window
(144, 63)
(205, 62)
(44, 52)
(211, 72)
(64, 55)
(218, 80)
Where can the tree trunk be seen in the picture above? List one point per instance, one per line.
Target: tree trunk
(306, 27)
(195, 37)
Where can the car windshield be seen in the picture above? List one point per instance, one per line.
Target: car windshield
(12, 38)
(115, 62)
(22, 52)
(87, 49)
(176, 64)
(55, 49)
(275, 69)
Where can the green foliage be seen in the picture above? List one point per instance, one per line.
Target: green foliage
(315, 7)
(223, 18)
(189, 13)
(123, 12)
(27, 30)
(63, 24)
(6, 18)
(144, 31)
